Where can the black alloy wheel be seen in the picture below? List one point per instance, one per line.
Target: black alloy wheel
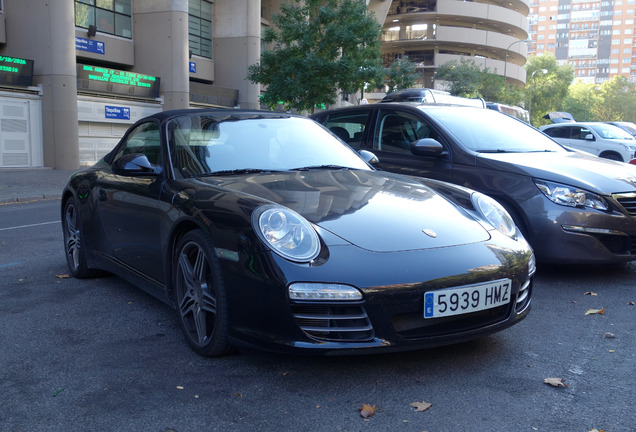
(74, 248)
(199, 295)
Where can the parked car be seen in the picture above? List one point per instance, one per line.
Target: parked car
(626, 126)
(600, 139)
(264, 230)
(571, 206)
(426, 95)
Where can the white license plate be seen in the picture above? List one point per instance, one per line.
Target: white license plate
(467, 299)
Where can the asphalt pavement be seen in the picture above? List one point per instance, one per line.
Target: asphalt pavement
(24, 185)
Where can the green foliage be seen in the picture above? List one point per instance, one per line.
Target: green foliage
(464, 77)
(581, 99)
(400, 75)
(468, 80)
(617, 101)
(548, 91)
(317, 47)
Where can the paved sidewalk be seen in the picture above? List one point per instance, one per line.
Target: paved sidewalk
(30, 184)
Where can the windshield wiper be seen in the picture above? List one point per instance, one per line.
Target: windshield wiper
(496, 151)
(234, 171)
(320, 167)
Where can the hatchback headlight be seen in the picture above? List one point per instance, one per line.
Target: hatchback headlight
(494, 214)
(287, 233)
(571, 196)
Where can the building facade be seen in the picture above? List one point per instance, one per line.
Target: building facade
(492, 33)
(595, 37)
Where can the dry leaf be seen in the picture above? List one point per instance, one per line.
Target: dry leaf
(600, 311)
(609, 335)
(367, 410)
(590, 293)
(421, 406)
(555, 382)
(631, 303)
(63, 276)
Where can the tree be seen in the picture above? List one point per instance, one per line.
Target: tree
(618, 100)
(581, 99)
(319, 47)
(468, 80)
(400, 75)
(549, 91)
(464, 77)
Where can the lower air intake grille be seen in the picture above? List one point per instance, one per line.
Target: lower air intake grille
(333, 322)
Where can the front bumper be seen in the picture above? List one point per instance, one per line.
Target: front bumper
(391, 315)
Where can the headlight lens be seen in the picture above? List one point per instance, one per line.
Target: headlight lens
(494, 214)
(571, 196)
(287, 233)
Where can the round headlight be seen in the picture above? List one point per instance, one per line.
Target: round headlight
(495, 214)
(287, 233)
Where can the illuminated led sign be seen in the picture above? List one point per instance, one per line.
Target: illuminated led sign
(101, 79)
(16, 71)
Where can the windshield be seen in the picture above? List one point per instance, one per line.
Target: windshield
(488, 131)
(224, 144)
(608, 131)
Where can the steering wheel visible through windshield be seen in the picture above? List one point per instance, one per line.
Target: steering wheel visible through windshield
(488, 131)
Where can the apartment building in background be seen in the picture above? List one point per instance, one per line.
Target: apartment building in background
(595, 37)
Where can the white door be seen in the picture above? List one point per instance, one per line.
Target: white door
(15, 133)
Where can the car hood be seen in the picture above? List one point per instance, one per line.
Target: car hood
(578, 169)
(372, 210)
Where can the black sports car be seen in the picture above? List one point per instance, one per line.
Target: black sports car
(264, 230)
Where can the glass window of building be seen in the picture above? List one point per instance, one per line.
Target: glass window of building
(200, 27)
(108, 16)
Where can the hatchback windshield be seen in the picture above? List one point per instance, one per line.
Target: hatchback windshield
(201, 145)
(488, 131)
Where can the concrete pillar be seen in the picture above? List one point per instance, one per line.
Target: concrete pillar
(161, 47)
(237, 45)
(44, 32)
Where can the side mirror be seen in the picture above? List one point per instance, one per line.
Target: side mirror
(369, 157)
(427, 147)
(136, 164)
(589, 137)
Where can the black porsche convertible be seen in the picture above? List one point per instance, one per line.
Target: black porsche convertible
(264, 230)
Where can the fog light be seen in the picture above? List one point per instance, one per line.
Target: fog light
(323, 292)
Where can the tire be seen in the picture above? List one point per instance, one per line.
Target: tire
(74, 245)
(199, 295)
(612, 156)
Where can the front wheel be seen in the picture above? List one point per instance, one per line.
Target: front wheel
(199, 295)
(74, 248)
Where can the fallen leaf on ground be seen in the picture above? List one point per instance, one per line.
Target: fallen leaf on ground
(555, 382)
(609, 335)
(367, 410)
(63, 276)
(600, 311)
(590, 293)
(421, 406)
(631, 303)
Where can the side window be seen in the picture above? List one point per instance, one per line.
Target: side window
(144, 139)
(396, 131)
(349, 126)
(558, 132)
(580, 133)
